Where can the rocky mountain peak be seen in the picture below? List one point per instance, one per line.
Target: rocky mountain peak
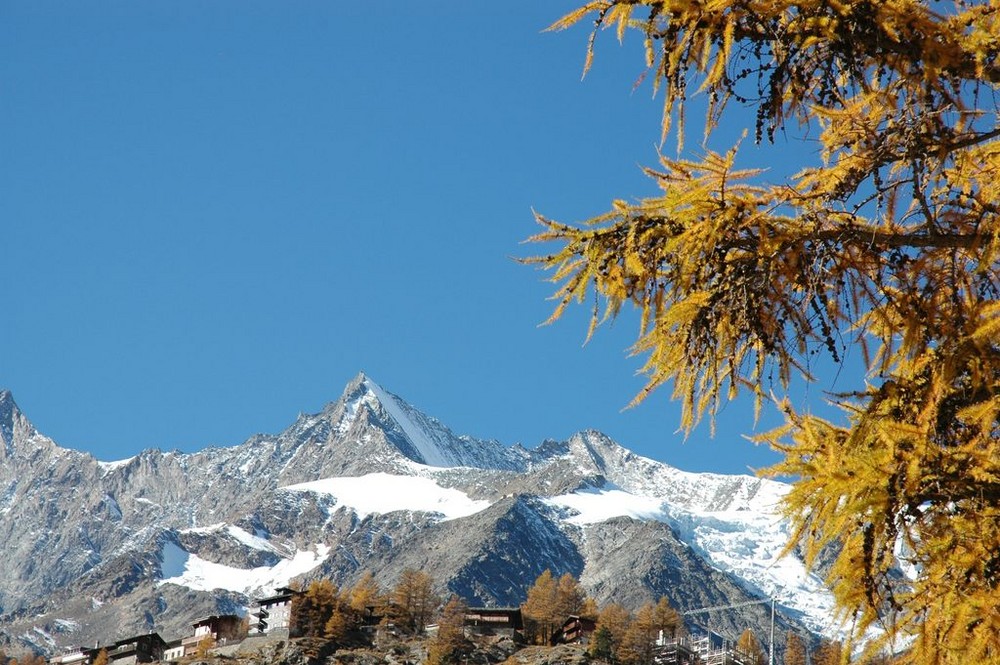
(13, 424)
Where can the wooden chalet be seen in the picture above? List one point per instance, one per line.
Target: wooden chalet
(493, 621)
(219, 629)
(575, 630)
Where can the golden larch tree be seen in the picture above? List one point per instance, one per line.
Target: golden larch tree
(614, 619)
(886, 246)
(448, 643)
(636, 647)
(413, 601)
(749, 646)
(539, 608)
(795, 650)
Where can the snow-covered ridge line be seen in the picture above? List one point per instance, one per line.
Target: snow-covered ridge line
(108, 467)
(420, 439)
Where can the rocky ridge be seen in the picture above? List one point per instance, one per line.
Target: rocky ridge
(91, 549)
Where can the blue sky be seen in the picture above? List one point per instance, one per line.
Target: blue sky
(214, 214)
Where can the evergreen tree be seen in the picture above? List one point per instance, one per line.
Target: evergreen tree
(886, 247)
(615, 619)
(602, 645)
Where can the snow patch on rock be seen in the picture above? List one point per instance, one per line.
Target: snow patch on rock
(381, 493)
(191, 571)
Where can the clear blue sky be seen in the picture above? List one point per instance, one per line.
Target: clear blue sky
(214, 214)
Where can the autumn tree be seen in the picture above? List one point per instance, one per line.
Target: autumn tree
(204, 647)
(570, 597)
(365, 596)
(101, 658)
(666, 619)
(447, 645)
(636, 647)
(828, 653)
(885, 247)
(795, 649)
(338, 625)
(412, 600)
(612, 622)
(550, 602)
(539, 608)
(589, 609)
(748, 645)
(312, 609)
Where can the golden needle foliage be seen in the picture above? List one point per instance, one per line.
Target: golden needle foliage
(890, 243)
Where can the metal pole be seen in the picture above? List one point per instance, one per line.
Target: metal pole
(770, 650)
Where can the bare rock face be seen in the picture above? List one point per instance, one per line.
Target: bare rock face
(95, 551)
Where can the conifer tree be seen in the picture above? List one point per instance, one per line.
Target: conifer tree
(589, 609)
(667, 619)
(795, 649)
(828, 653)
(448, 643)
(413, 599)
(885, 247)
(636, 647)
(339, 624)
(616, 620)
(569, 599)
(602, 645)
(100, 659)
(539, 610)
(748, 645)
(312, 610)
(365, 596)
(205, 645)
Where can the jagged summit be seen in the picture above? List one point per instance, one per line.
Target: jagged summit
(14, 426)
(420, 438)
(8, 413)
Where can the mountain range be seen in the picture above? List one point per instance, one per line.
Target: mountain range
(93, 550)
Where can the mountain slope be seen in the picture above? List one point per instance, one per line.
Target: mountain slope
(89, 549)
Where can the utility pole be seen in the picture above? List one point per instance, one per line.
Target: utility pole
(770, 645)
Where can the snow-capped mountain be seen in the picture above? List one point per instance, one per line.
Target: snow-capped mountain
(90, 549)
